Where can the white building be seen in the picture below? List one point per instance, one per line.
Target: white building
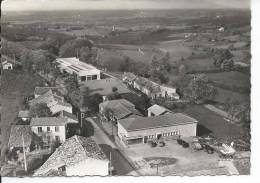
(77, 156)
(85, 72)
(142, 129)
(157, 110)
(51, 129)
(7, 65)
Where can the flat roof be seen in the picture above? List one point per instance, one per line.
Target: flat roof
(76, 65)
(143, 123)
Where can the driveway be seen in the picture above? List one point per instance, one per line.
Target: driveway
(120, 163)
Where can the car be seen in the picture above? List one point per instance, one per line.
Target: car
(161, 144)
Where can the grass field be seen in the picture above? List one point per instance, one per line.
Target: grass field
(199, 64)
(176, 48)
(223, 95)
(212, 123)
(14, 86)
(233, 78)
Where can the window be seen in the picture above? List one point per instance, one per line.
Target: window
(48, 129)
(48, 139)
(62, 169)
(39, 129)
(89, 78)
(56, 128)
(57, 139)
(94, 77)
(83, 78)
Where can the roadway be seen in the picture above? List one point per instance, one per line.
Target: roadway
(119, 162)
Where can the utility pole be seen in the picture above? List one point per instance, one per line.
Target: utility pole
(24, 156)
(110, 164)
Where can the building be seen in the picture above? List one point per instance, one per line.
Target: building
(50, 129)
(104, 87)
(150, 88)
(129, 78)
(16, 140)
(157, 110)
(39, 91)
(54, 102)
(142, 129)
(77, 156)
(7, 65)
(71, 118)
(84, 72)
(24, 115)
(118, 109)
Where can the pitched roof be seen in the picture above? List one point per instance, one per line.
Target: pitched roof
(71, 152)
(158, 110)
(46, 98)
(17, 131)
(48, 121)
(120, 108)
(141, 123)
(24, 114)
(153, 87)
(41, 90)
(69, 115)
(129, 76)
(104, 86)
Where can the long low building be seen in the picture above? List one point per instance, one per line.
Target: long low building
(142, 129)
(85, 72)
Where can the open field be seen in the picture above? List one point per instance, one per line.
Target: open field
(232, 79)
(199, 64)
(176, 48)
(223, 95)
(212, 123)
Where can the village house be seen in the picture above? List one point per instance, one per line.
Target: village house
(71, 118)
(77, 156)
(104, 87)
(54, 102)
(83, 71)
(7, 65)
(38, 91)
(150, 88)
(18, 134)
(24, 115)
(50, 129)
(118, 109)
(142, 129)
(157, 110)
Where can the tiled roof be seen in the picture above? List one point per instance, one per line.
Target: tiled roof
(129, 76)
(120, 108)
(41, 90)
(151, 86)
(74, 150)
(141, 123)
(104, 87)
(69, 115)
(158, 110)
(46, 98)
(24, 114)
(48, 121)
(17, 131)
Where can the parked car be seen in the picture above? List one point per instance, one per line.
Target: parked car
(161, 144)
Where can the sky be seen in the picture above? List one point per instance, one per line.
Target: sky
(24, 5)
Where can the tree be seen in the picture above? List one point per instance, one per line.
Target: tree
(220, 55)
(91, 101)
(200, 88)
(227, 65)
(182, 70)
(40, 110)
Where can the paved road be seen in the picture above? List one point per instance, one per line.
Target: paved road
(121, 165)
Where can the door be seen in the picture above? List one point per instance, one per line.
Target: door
(159, 136)
(145, 139)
